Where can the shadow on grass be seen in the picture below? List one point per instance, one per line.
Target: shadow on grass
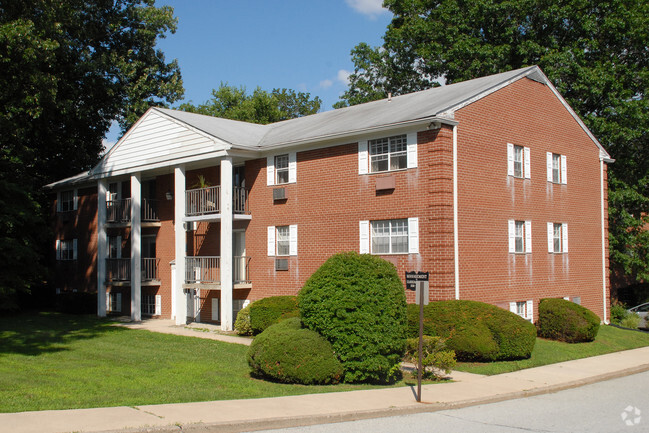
(34, 334)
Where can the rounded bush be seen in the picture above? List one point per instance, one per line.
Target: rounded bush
(475, 331)
(271, 310)
(566, 321)
(242, 324)
(285, 352)
(357, 303)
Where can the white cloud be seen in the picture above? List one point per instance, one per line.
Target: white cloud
(326, 83)
(343, 76)
(371, 8)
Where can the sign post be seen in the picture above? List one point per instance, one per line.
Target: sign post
(418, 281)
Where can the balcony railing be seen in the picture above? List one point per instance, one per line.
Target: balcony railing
(119, 211)
(207, 269)
(206, 201)
(119, 270)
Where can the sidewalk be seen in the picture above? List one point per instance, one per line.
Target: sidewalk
(265, 413)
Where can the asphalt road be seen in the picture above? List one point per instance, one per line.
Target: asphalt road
(619, 405)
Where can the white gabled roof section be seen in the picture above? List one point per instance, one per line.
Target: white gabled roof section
(157, 139)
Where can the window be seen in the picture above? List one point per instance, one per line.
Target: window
(282, 240)
(114, 247)
(520, 236)
(281, 169)
(557, 237)
(518, 161)
(388, 153)
(151, 305)
(525, 309)
(113, 302)
(67, 201)
(66, 249)
(556, 165)
(398, 236)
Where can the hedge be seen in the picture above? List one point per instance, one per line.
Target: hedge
(271, 310)
(475, 331)
(287, 353)
(242, 324)
(357, 303)
(566, 321)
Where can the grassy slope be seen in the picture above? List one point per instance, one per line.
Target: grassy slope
(609, 339)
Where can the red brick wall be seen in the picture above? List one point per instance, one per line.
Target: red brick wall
(526, 113)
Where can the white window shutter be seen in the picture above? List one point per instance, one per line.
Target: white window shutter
(413, 235)
(530, 311)
(270, 170)
(74, 249)
(216, 305)
(526, 162)
(564, 179)
(549, 165)
(564, 237)
(109, 307)
(118, 308)
(76, 199)
(411, 150)
(550, 237)
(271, 240)
(364, 230)
(510, 159)
(292, 229)
(292, 167)
(512, 239)
(363, 164)
(158, 305)
(512, 307)
(58, 249)
(528, 236)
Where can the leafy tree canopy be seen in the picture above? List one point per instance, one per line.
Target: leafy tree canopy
(595, 52)
(67, 70)
(261, 106)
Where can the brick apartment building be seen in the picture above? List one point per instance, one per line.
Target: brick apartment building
(493, 185)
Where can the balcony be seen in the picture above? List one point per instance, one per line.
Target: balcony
(206, 270)
(207, 201)
(119, 211)
(118, 271)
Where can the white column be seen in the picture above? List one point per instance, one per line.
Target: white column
(101, 248)
(456, 235)
(136, 248)
(226, 244)
(180, 244)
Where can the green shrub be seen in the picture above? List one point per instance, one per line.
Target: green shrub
(271, 310)
(242, 324)
(566, 321)
(436, 359)
(618, 313)
(475, 331)
(287, 353)
(357, 302)
(632, 321)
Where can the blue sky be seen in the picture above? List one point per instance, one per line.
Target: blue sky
(296, 44)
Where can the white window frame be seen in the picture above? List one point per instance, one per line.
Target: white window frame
(71, 204)
(272, 171)
(512, 150)
(366, 229)
(524, 309)
(66, 249)
(522, 230)
(365, 155)
(556, 168)
(562, 230)
(273, 240)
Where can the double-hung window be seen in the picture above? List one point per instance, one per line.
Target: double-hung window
(66, 249)
(556, 168)
(520, 236)
(67, 201)
(281, 169)
(151, 305)
(557, 237)
(397, 236)
(518, 161)
(282, 240)
(388, 154)
(525, 309)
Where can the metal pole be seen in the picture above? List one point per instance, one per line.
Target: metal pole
(421, 338)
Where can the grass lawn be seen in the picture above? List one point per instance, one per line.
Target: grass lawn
(609, 339)
(56, 361)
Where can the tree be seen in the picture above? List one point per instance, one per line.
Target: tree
(68, 69)
(595, 53)
(261, 107)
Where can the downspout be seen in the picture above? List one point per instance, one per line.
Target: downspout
(456, 252)
(601, 185)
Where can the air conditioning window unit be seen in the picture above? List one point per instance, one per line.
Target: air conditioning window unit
(279, 194)
(281, 264)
